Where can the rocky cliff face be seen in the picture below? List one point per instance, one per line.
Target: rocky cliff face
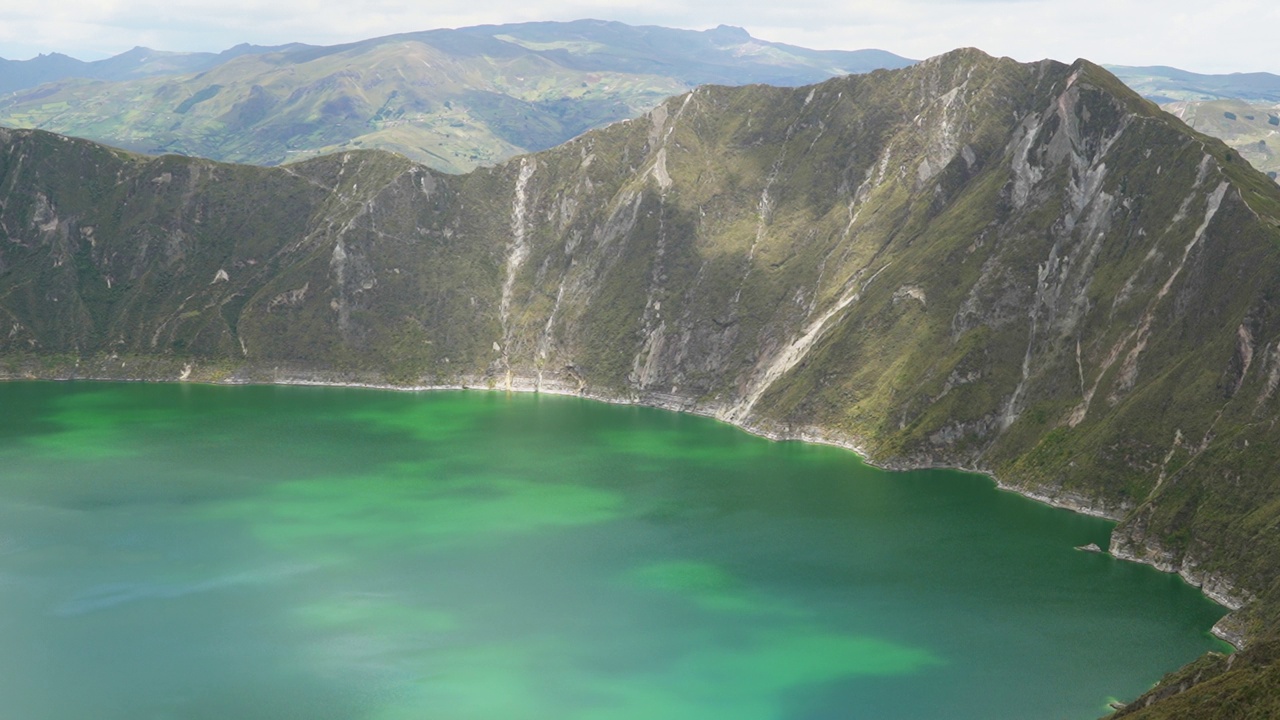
(1022, 269)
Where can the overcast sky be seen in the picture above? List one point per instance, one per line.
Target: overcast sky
(1200, 35)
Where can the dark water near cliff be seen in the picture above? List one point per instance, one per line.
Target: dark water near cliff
(174, 551)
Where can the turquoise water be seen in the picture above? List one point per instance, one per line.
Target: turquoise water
(175, 551)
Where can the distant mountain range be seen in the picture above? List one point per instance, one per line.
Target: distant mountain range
(1163, 85)
(453, 99)
(139, 62)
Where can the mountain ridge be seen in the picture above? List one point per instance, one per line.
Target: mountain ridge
(136, 62)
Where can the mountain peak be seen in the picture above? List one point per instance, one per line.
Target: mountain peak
(730, 32)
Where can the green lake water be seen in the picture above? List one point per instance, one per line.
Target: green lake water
(176, 551)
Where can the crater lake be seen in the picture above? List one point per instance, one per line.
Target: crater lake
(190, 551)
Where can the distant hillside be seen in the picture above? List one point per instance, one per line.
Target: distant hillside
(1162, 84)
(136, 63)
(1252, 129)
(452, 99)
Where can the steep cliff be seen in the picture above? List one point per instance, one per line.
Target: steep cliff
(1022, 269)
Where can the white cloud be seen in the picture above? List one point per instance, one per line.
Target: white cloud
(1229, 35)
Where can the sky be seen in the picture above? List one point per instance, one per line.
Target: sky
(1200, 35)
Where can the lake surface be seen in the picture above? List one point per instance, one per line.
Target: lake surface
(177, 551)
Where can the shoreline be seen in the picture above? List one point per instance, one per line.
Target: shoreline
(1216, 589)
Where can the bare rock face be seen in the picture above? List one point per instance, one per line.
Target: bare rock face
(1025, 270)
